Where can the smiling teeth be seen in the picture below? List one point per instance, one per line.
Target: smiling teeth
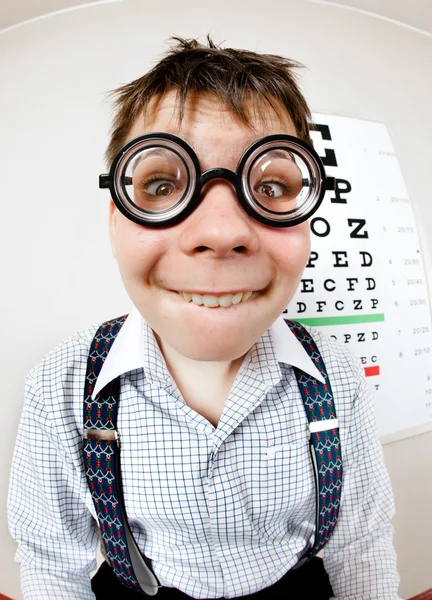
(214, 301)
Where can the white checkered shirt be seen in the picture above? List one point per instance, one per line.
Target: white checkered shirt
(221, 512)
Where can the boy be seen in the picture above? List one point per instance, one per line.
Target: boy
(212, 181)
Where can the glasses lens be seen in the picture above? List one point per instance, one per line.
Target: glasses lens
(280, 181)
(155, 179)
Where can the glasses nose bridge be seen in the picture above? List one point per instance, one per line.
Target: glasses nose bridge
(218, 173)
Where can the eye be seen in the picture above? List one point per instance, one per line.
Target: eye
(159, 187)
(273, 189)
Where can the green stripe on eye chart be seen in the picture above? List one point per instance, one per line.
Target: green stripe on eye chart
(342, 320)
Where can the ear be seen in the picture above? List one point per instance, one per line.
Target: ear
(112, 221)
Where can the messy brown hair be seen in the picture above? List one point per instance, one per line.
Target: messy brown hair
(237, 77)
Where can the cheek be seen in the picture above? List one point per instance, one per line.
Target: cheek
(290, 249)
(139, 248)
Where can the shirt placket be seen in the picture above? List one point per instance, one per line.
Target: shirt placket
(243, 399)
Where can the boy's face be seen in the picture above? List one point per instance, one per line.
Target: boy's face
(217, 250)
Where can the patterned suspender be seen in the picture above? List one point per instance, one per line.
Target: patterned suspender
(102, 464)
(102, 459)
(324, 442)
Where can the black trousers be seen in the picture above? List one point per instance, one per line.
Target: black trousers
(309, 582)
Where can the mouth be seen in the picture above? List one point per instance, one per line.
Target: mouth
(216, 301)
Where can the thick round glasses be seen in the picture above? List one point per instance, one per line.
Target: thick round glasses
(156, 180)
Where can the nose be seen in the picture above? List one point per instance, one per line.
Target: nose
(219, 226)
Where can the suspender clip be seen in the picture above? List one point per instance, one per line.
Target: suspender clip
(102, 434)
(323, 425)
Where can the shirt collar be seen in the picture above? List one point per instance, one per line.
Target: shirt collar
(127, 352)
(290, 351)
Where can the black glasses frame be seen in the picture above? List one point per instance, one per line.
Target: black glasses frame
(236, 178)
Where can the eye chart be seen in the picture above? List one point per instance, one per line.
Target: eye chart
(365, 283)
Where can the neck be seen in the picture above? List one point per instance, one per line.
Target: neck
(204, 385)
(182, 368)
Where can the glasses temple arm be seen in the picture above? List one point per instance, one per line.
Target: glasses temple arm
(329, 183)
(105, 181)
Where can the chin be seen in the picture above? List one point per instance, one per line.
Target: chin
(201, 350)
(211, 335)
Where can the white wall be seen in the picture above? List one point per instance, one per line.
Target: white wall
(57, 272)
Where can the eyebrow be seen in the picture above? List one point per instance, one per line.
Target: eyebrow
(155, 151)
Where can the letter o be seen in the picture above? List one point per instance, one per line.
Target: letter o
(327, 227)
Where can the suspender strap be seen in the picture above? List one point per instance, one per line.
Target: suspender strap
(324, 441)
(102, 464)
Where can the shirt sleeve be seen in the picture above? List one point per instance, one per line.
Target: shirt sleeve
(360, 558)
(56, 533)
